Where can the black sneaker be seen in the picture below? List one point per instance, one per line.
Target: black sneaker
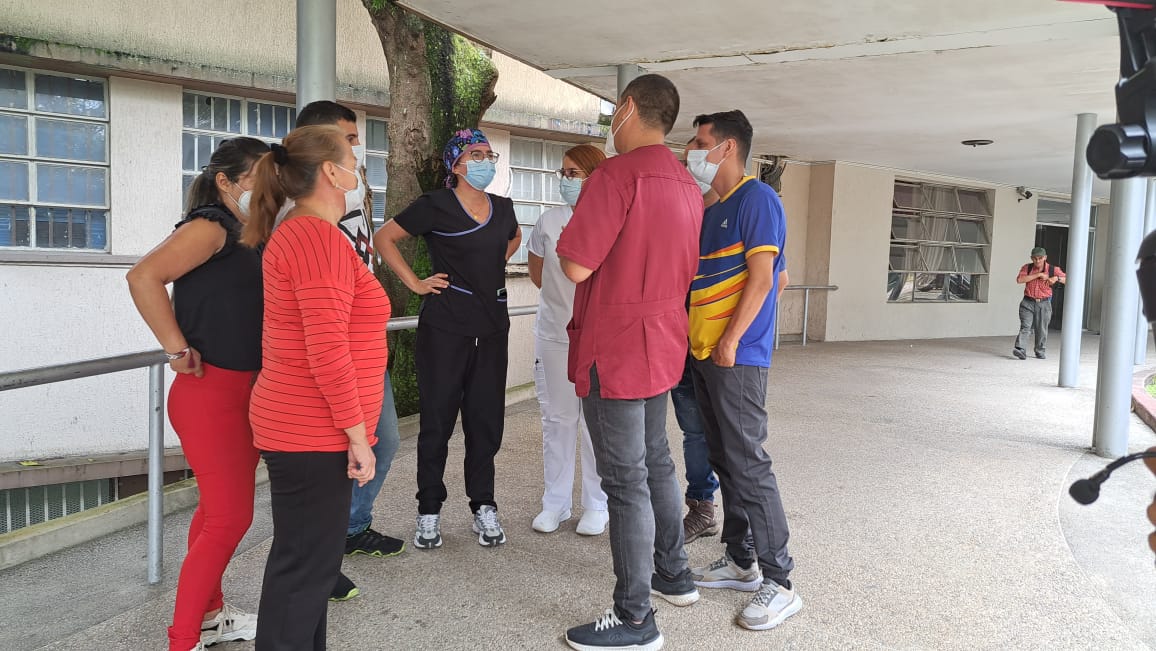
(1041, 355)
(344, 589)
(1020, 353)
(680, 591)
(612, 631)
(372, 543)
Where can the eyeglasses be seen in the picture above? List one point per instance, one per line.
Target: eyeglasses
(570, 173)
(478, 156)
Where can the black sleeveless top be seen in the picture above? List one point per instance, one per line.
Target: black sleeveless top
(219, 304)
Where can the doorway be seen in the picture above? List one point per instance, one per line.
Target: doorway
(1054, 239)
(1052, 222)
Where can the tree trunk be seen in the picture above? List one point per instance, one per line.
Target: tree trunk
(439, 82)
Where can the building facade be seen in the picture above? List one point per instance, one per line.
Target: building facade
(108, 108)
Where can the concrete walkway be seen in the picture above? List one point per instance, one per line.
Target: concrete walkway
(925, 483)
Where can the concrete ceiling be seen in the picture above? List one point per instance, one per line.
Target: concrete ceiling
(872, 81)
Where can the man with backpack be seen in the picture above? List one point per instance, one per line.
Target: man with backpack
(1038, 278)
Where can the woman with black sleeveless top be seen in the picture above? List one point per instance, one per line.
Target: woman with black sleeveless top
(211, 332)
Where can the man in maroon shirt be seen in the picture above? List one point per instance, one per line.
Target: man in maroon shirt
(1038, 277)
(632, 248)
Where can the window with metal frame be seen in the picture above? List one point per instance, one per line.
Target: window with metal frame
(533, 184)
(376, 156)
(209, 119)
(940, 244)
(54, 135)
(24, 507)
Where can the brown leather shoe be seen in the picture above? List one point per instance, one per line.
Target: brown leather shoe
(699, 521)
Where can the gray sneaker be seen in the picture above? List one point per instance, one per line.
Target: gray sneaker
(725, 573)
(429, 531)
(488, 528)
(769, 607)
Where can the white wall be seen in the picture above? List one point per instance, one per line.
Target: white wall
(859, 250)
(55, 315)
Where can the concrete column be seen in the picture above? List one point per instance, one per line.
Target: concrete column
(1147, 226)
(626, 74)
(1117, 334)
(316, 51)
(1076, 287)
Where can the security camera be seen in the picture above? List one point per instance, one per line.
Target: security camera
(1024, 193)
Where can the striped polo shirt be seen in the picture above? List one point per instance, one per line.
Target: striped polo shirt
(747, 220)
(323, 341)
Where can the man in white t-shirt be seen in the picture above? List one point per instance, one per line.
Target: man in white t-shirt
(361, 538)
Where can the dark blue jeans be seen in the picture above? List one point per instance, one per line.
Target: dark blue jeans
(701, 482)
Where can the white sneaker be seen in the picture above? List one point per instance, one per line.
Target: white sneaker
(488, 528)
(548, 521)
(230, 624)
(769, 607)
(199, 647)
(593, 522)
(429, 531)
(725, 573)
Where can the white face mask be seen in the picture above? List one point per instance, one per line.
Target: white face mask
(702, 171)
(355, 198)
(610, 149)
(242, 202)
(359, 152)
(703, 187)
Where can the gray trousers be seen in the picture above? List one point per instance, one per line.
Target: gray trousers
(734, 414)
(642, 491)
(1034, 315)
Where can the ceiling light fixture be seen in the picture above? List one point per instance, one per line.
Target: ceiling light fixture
(980, 142)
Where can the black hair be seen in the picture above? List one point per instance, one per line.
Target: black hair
(233, 157)
(730, 124)
(656, 99)
(324, 112)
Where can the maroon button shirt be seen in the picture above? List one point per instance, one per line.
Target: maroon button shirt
(637, 226)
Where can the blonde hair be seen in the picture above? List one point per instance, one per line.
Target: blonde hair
(289, 171)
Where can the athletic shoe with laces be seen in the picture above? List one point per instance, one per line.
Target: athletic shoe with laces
(429, 531)
(769, 607)
(230, 624)
(725, 573)
(344, 589)
(372, 543)
(615, 631)
(486, 525)
(679, 591)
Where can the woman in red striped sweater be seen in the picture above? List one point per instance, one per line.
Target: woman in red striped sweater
(317, 399)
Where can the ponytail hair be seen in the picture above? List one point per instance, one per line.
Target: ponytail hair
(289, 171)
(233, 158)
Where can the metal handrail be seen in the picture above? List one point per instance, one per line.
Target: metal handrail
(806, 289)
(155, 361)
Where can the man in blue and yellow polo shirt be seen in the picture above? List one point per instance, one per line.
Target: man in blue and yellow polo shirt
(732, 328)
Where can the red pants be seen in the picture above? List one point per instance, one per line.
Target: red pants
(211, 416)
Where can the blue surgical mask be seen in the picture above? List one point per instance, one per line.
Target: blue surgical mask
(570, 189)
(480, 173)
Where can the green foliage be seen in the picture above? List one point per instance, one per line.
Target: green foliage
(403, 369)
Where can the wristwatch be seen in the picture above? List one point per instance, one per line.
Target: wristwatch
(178, 355)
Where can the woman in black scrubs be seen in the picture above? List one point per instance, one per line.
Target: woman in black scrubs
(463, 330)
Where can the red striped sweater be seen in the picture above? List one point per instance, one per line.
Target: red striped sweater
(323, 342)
